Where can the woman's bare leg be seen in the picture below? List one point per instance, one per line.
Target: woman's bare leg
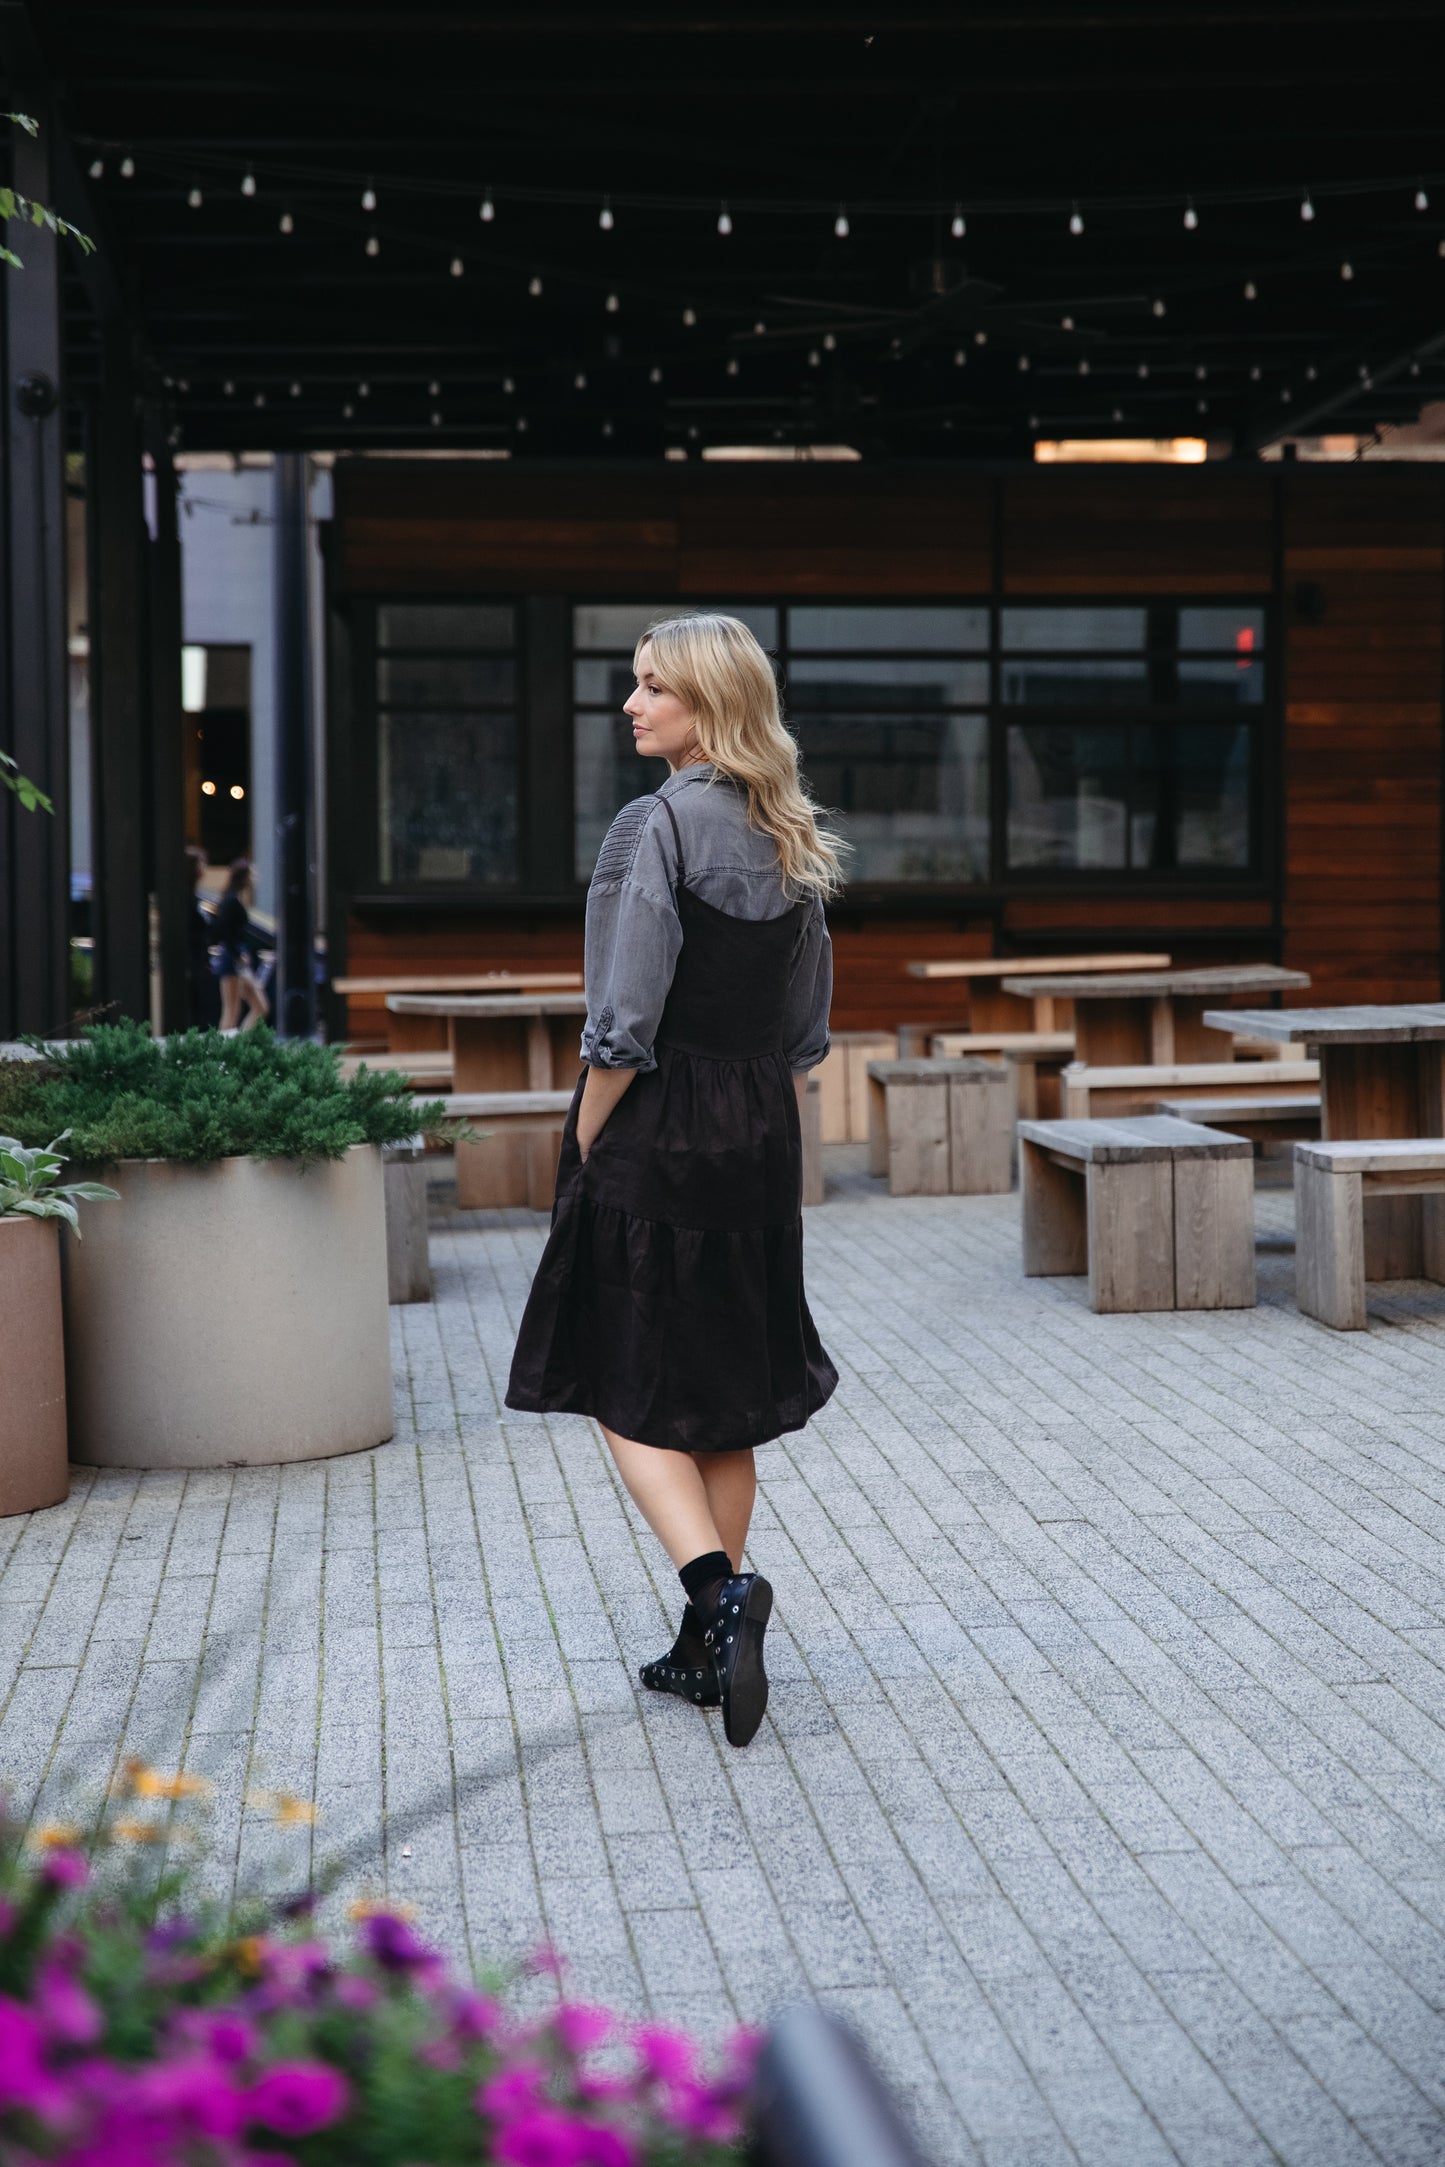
(260, 1006)
(731, 1482)
(668, 1490)
(230, 1003)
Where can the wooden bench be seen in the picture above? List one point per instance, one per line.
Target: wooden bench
(1262, 1119)
(941, 1128)
(1332, 1181)
(1036, 1058)
(843, 1078)
(1158, 1212)
(408, 1259)
(1091, 1091)
(431, 1065)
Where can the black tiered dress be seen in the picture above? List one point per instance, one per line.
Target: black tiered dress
(669, 1300)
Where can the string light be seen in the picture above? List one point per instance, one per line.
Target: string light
(368, 198)
(1084, 366)
(295, 391)
(607, 428)
(1285, 396)
(521, 424)
(960, 224)
(1440, 247)
(1347, 270)
(840, 224)
(1066, 323)
(1118, 414)
(534, 286)
(433, 391)
(508, 386)
(613, 304)
(195, 199)
(1158, 307)
(815, 359)
(436, 420)
(363, 391)
(1033, 422)
(960, 358)
(1076, 221)
(97, 169)
(347, 411)
(724, 221)
(732, 365)
(829, 342)
(760, 329)
(229, 389)
(1251, 291)
(248, 184)
(1422, 201)
(1254, 373)
(1414, 368)
(457, 267)
(1142, 371)
(980, 338)
(286, 222)
(373, 246)
(260, 399)
(488, 209)
(127, 168)
(689, 317)
(1306, 209)
(1201, 372)
(579, 381)
(1191, 217)
(1023, 361)
(1202, 405)
(654, 374)
(1311, 374)
(605, 218)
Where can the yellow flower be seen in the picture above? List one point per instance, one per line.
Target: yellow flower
(292, 1812)
(133, 1831)
(57, 1836)
(149, 1783)
(249, 1952)
(378, 1907)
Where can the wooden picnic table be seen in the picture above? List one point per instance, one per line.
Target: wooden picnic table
(408, 1034)
(505, 1042)
(1382, 1073)
(1126, 1018)
(993, 1007)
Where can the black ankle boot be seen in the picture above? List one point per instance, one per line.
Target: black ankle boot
(734, 1637)
(687, 1668)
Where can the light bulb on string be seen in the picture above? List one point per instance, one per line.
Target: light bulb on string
(229, 389)
(286, 223)
(1202, 405)
(607, 428)
(1076, 221)
(579, 381)
(127, 168)
(1191, 217)
(1084, 366)
(248, 184)
(815, 359)
(373, 245)
(724, 221)
(1254, 372)
(980, 338)
(457, 267)
(1347, 271)
(829, 342)
(605, 218)
(960, 224)
(436, 420)
(760, 329)
(1118, 414)
(195, 199)
(1306, 209)
(840, 224)
(260, 399)
(347, 412)
(368, 198)
(534, 286)
(508, 387)
(1440, 247)
(1033, 421)
(363, 391)
(1201, 372)
(1142, 371)
(1024, 362)
(433, 391)
(97, 169)
(1251, 291)
(1311, 374)
(1422, 201)
(654, 374)
(732, 365)
(1157, 307)
(960, 358)
(1066, 323)
(613, 304)
(1285, 396)
(295, 391)
(521, 425)
(1414, 368)
(487, 210)
(689, 317)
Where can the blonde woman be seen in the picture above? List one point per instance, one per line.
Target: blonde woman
(669, 1301)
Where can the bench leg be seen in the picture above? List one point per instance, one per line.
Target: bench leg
(918, 1137)
(877, 1127)
(1214, 1234)
(981, 1134)
(1432, 1228)
(1329, 1247)
(494, 1171)
(408, 1265)
(1056, 1233)
(1131, 1235)
(543, 1152)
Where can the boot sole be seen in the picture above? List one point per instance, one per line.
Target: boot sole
(745, 1696)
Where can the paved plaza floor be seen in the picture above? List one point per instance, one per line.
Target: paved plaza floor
(1103, 1784)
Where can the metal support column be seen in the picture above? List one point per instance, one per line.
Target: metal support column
(34, 705)
(295, 1001)
(169, 880)
(119, 545)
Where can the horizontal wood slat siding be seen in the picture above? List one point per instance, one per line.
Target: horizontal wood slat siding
(1362, 745)
(1360, 761)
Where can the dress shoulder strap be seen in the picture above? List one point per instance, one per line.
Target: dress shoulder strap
(681, 880)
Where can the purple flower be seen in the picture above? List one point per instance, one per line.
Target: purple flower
(475, 2016)
(544, 2138)
(354, 1993)
(67, 2013)
(171, 1934)
(295, 2098)
(393, 1944)
(669, 2056)
(510, 2092)
(222, 2033)
(194, 2097)
(580, 2028)
(701, 2111)
(64, 1869)
(25, 2080)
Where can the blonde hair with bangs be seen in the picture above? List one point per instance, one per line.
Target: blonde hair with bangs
(716, 667)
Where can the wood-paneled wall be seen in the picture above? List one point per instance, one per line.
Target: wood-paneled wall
(1351, 887)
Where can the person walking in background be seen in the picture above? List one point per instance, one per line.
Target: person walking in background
(235, 963)
(669, 1301)
(202, 991)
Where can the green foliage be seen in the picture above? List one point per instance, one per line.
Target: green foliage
(28, 1184)
(25, 208)
(198, 1097)
(31, 796)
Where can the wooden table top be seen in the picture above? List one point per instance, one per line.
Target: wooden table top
(466, 982)
(483, 1006)
(1149, 985)
(1334, 1026)
(1030, 966)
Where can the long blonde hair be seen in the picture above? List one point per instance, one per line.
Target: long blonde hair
(716, 667)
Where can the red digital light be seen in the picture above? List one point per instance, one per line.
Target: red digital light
(1244, 640)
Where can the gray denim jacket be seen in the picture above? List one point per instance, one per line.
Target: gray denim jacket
(633, 933)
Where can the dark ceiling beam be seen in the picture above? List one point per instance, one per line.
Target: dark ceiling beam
(1305, 420)
(833, 24)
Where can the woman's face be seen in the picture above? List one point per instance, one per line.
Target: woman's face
(662, 727)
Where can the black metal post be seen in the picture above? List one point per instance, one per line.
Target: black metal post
(118, 548)
(35, 957)
(295, 1001)
(170, 882)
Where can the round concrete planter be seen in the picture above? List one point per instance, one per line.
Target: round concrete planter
(230, 1315)
(33, 1470)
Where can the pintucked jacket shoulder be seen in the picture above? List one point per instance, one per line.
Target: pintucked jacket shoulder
(634, 934)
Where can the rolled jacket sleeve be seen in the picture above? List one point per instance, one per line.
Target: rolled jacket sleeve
(633, 939)
(810, 994)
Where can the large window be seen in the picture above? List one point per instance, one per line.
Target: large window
(446, 709)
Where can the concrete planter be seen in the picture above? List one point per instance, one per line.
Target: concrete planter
(33, 1471)
(230, 1315)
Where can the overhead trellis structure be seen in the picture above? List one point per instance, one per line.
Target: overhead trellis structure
(926, 233)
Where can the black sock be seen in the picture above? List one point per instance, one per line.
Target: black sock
(702, 1580)
(688, 1647)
